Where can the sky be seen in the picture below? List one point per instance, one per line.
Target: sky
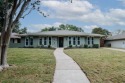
(87, 14)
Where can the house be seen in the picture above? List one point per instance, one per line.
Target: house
(60, 38)
(116, 41)
(15, 40)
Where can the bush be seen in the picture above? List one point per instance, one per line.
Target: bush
(81, 46)
(49, 46)
(85, 46)
(95, 46)
(42, 46)
(108, 45)
(70, 46)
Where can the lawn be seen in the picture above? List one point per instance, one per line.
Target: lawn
(29, 66)
(100, 65)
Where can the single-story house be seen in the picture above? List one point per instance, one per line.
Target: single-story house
(116, 41)
(60, 38)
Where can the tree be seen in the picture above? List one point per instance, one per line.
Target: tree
(18, 30)
(12, 11)
(23, 30)
(101, 31)
(64, 27)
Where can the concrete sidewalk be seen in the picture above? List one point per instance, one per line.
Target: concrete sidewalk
(122, 50)
(67, 70)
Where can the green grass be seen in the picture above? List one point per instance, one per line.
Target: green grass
(100, 65)
(30, 66)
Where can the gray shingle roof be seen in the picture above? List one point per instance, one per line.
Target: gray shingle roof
(14, 35)
(116, 37)
(61, 33)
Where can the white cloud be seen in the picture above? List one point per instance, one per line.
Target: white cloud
(123, 1)
(38, 27)
(83, 10)
(88, 28)
(67, 10)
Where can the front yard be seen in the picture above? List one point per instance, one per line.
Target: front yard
(100, 65)
(29, 66)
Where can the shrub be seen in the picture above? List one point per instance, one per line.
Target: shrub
(108, 45)
(49, 46)
(42, 46)
(81, 46)
(85, 46)
(70, 46)
(95, 46)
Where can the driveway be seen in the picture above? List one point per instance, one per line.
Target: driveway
(122, 50)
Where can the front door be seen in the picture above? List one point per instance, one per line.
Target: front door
(60, 41)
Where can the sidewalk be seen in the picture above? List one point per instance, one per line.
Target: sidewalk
(122, 50)
(67, 70)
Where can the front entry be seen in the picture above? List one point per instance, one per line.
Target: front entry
(60, 41)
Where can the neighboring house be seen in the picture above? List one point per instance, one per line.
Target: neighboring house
(60, 38)
(117, 41)
(15, 40)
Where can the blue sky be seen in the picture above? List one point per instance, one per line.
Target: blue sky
(87, 14)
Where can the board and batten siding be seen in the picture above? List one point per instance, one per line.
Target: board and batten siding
(97, 41)
(66, 42)
(55, 41)
(17, 45)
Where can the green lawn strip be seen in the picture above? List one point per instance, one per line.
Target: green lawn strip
(100, 65)
(30, 66)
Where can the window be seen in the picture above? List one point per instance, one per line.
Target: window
(88, 40)
(74, 40)
(78, 40)
(40, 41)
(18, 40)
(69, 40)
(27, 41)
(92, 40)
(31, 41)
(49, 40)
(45, 40)
(13, 40)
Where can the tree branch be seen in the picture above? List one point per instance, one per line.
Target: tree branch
(28, 13)
(21, 12)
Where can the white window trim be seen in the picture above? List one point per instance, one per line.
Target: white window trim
(39, 41)
(78, 40)
(75, 41)
(30, 41)
(44, 41)
(25, 41)
(51, 40)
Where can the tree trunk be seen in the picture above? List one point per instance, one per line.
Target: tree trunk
(4, 63)
(5, 38)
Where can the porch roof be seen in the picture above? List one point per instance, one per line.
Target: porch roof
(14, 35)
(61, 33)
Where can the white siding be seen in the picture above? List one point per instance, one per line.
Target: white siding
(117, 43)
(54, 42)
(66, 42)
(97, 41)
(82, 41)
